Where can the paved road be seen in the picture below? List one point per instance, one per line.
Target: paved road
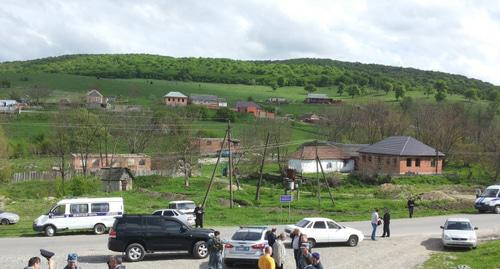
(411, 242)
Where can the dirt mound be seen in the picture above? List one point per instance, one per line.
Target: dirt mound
(388, 190)
(165, 195)
(436, 196)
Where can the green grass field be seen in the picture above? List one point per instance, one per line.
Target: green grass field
(486, 256)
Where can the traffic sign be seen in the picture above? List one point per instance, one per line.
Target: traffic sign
(286, 198)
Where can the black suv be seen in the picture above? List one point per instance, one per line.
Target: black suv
(137, 234)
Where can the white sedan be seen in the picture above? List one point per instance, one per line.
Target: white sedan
(323, 230)
(459, 232)
(188, 219)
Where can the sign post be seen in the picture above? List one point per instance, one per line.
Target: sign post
(287, 199)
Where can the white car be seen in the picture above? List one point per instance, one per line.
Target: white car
(489, 200)
(246, 245)
(185, 218)
(8, 218)
(459, 232)
(184, 206)
(323, 230)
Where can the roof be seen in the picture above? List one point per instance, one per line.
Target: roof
(493, 187)
(205, 98)
(114, 173)
(458, 219)
(112, 156)
(8, 102)
(318, 219)
(181, 201)
(401, 146)
(245, 104)
(175, 94)
(94, 92)
(318, 96)
(90, 200)
(349, 149)
(325, 152)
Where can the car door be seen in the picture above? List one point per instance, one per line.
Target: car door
(57, 216)
(335, 232)
(320, 232)
(156, 235)
(177, 235)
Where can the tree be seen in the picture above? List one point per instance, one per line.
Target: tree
(61, 145)
(341, 88)
(428, 91)
(5, 170)
(281, 82)
(85, 130)
(353, 90)
(471, 94)
(440, 96)
(399, 91)
(225, 114)
(5, 84)
(310, 88)
(388, 87)
(37, 93)
(274, 86)
(441, 89)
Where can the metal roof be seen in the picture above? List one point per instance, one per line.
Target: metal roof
(175, 94)
(94, 92)
(245, 104)
(401, 146)
(205, 98)
(317, 96)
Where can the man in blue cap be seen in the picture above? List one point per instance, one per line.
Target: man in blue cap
(72, 261)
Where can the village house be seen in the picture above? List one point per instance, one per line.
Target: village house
(116, 179)
(209, 101)
(212, 146)
(95, 162)
(95, 99)
(318, 98)
(400, 155)
(8, 106)
(333, 157)
(253, 108)
(310, 118)
(277, 100)
(175, 99)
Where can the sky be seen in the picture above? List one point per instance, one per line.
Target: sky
(454, 36)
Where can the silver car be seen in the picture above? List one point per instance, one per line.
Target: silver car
(8, 218)
(188, 219)
(246, 245)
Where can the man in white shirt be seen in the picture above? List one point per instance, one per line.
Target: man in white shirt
(375, 219)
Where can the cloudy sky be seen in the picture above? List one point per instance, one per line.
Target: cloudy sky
(456, 36)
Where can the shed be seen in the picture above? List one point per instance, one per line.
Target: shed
(116, 179)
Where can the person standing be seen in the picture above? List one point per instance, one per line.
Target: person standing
(198, 212)
(271, 237)
(315, 262)
(72, 261)
(411, 206)
(115, 262)
(266, 261)
(279, 252)
(375, 222)
(387, 221)
(34, 263)
(215, 248)
(295, 236)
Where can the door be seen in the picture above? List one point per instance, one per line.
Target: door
(79, 216)
(335, 232)
(156, 235)
(320, 232)
(57, 216)
(177, 236)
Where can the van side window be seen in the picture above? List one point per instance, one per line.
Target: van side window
(60, 210)
(79, 208)
(100, 207)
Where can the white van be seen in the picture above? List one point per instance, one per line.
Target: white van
(185, 206)
(489, 200)
(80, 213)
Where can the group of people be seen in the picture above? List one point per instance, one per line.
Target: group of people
(302, 253)
(113, 262)
(386, 219)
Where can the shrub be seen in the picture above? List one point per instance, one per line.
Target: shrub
(148, 181)
(78, 186)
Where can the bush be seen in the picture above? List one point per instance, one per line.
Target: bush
(148, 181)
(78, 186)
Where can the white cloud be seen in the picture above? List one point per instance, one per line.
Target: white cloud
(458, 36)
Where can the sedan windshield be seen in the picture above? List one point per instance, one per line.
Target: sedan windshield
(490, 193)
(302, 224)
(458, 225)
(246, 236)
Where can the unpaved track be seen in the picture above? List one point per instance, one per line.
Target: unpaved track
(411, 242)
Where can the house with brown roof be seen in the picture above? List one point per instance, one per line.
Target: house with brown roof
(318, 98)
(253, 108)
(175, 99)
(211, 146)
(95, 99)
(333, 157)
(95, 162)
(399, 155)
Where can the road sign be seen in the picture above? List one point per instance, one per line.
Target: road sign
(286, 198)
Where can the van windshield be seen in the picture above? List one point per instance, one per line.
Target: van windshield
(490, 193)
(185, 206)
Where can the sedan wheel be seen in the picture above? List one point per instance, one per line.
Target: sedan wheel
(311, 242)
(353, 241)
(5, 222)
(497, 209)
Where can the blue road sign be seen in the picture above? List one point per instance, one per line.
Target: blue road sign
(286, 198)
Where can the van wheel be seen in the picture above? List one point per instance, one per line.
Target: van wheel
(135, 252)
(99, 228)
(497, 209)
(5, 222)
(200, 250)
(50, 230)
(353, 241)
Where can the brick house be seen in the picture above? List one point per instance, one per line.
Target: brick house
(253, 108)
(211, 146)
(399, 155)
(209, 101)
(175, 99)
(95, 99)
(134, 162)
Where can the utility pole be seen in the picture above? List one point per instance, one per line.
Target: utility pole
(317, 177)
(230, 168)
(437, 160)
(257, 193)
(324, 178)
(215, 169)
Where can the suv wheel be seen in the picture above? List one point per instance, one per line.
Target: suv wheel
(353, 241)
(50, 230)
(497, 209)
(200, 250)
(99, 228)
(135, 252)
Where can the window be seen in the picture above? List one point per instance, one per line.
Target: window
(157, 213)
(379, 160)
(370, 158)
(168, 213)
(246, 236)
(433, 163)
(395, 161)
(387, 161)
(329, 165)
(155, 224)
(59, 210)
(364, 158)
(79, 208)
(408, 162)
(142, 162)
(100, 207)
(172, 226)
(417, 162)
(302, 223)
(319, 225)
(209, 142)
(332, 225)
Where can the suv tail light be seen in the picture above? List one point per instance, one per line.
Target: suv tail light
(112, 233)
(259, 246)
(228, 246)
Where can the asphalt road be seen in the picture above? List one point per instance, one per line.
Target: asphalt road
(411, 242)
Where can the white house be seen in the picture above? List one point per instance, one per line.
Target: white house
(333, 159)
(8, 105)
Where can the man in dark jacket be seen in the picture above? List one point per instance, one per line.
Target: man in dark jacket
(387, 221)
(411, 205)
(271, 237)
(198, 212)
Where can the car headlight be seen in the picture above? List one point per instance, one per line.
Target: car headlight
(446, 237)
(472, 238)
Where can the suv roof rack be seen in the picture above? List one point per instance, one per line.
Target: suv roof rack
(254, 227)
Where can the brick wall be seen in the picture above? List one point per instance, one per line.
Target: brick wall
(175, 101)
(134, 163)
(370, 164)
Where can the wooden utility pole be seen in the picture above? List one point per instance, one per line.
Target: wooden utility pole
(230, 166)
(437, 160)
(324, 178)
(215, 169)
(257, 193)
(317, 177)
